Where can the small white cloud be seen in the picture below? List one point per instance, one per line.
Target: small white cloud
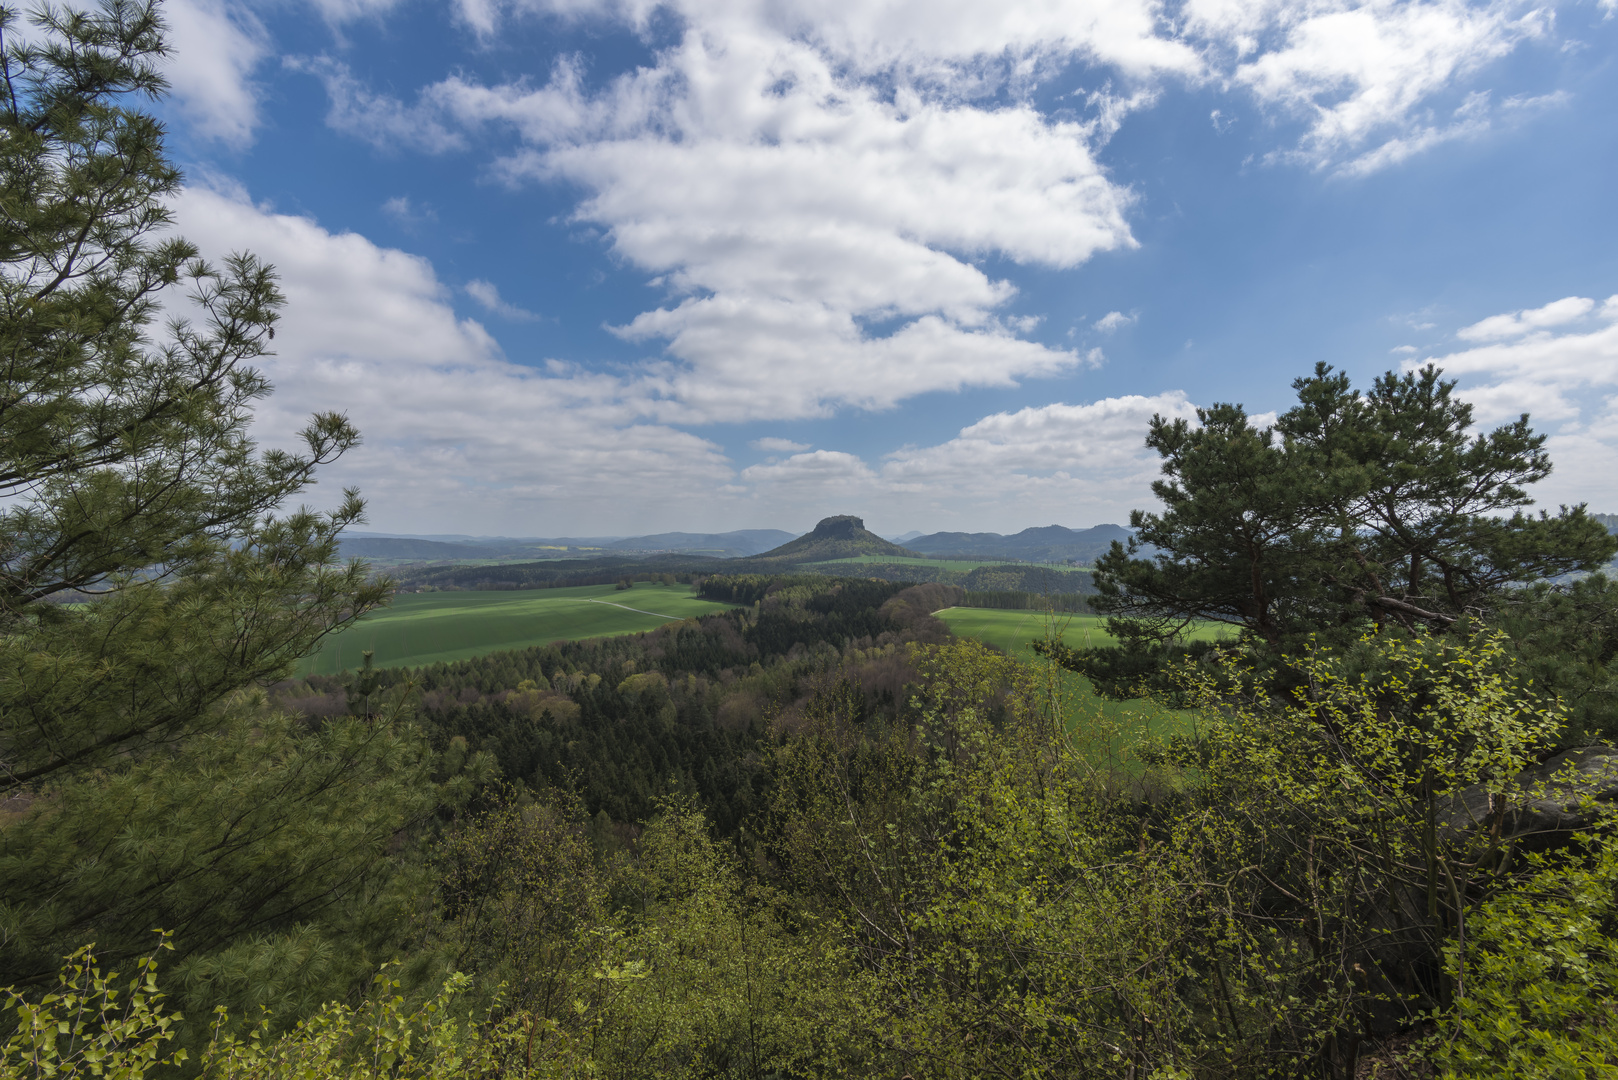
(1513, 324)
(1522, 104)
(772, 445)
(482, 17)
(1115, 320)
(1404, 350)
(385, 122)
(338, 12)
(488, 296)
(407, 214)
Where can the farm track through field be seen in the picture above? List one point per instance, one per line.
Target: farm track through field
(638, 611)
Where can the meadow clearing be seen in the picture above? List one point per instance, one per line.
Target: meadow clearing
(1115, 725)
(425, 628)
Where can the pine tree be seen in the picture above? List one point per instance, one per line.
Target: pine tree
(1353, 510)
(149, 580)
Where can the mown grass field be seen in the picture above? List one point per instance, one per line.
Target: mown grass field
(962, 565)
(1123, 723)
(424, 628)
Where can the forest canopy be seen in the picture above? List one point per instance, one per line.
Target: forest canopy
(813, 836)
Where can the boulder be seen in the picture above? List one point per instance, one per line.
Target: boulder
(1566, 792)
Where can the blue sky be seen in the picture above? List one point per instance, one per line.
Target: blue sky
(619, 266)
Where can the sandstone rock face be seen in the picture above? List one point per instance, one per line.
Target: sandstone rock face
(1567, 792)
(839, 527)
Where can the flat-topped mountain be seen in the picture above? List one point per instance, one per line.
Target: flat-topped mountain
(1047, 543)
(840, 537)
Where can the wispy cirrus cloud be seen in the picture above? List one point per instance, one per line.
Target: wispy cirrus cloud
(379, 119)
(775, 445)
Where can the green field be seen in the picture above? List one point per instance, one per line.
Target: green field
(1123, 723)
(424, 628)
(963, 565)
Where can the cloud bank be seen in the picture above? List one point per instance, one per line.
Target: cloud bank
(1559, 364)
(457, 435)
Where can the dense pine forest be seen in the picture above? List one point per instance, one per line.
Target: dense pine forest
(811, 836)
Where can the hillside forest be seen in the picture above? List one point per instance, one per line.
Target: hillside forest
(811, 835)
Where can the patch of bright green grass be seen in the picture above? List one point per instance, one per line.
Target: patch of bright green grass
(425, 628)
(962, 565)
(1014, 633)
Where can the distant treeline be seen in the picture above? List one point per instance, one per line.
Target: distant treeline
(1004, 577)
(1024, 601)
(715, 578)
(553, 574)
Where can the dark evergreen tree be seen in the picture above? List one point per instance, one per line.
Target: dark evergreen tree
(1353, 510)
(149, 581)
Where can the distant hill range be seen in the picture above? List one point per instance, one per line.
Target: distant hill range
(730, 545)
(1048, 543)
(840, 537)
(741, 542)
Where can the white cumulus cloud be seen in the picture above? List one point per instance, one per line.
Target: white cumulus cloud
(1365, 74)
(773, 445)
(454, 433)
(787, 208)
(1085, 463)
(1565, 377)
(217, 46)
(1517, 323)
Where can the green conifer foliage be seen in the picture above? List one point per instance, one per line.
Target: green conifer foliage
(1353, 509)
(148, 580)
